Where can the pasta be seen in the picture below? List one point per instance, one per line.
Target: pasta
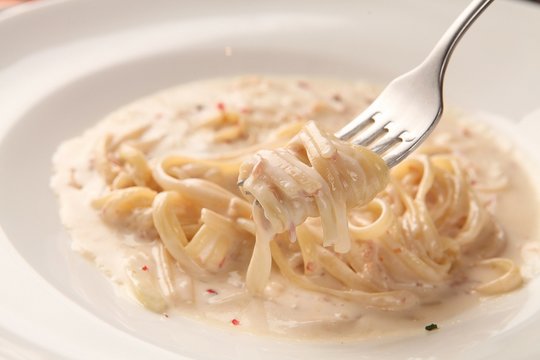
(283, 202)
(316, 175)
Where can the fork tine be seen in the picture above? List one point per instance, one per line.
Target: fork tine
(391, 138)
(372, 133)
(399, 151)
(360, 122)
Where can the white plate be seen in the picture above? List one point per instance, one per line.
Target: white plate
(65, 64)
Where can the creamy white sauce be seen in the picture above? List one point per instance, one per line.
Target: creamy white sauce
(174, 117)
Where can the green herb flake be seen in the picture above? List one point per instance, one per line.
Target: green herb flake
(431, 327)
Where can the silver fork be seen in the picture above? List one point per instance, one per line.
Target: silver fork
(408, 109)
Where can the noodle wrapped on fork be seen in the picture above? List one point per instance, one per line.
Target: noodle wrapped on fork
(315, 175)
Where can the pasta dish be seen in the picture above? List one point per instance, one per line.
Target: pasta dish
(231, 199)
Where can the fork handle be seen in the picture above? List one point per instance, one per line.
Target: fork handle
(439, 56)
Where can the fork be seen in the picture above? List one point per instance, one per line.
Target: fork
(410, 107)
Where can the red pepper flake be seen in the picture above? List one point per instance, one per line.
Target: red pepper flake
(144, 268)
(303, 84)
(211, 291)
(310, 267)
(220, 106)
(235, 322)
(114, 160)
(337, 98)
(397, 250)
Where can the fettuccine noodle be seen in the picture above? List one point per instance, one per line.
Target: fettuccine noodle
(299, 205)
